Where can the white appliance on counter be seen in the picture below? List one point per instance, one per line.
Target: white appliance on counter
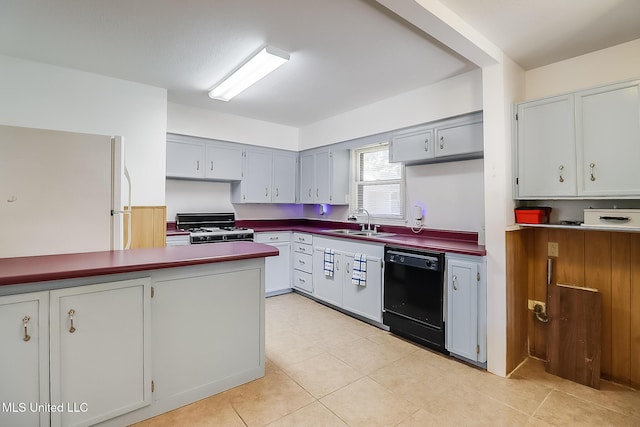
(60, 192)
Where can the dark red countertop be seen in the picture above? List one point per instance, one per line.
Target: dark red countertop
(70, 266)
(461, 242)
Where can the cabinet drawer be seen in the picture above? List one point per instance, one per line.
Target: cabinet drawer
(303, 280)
(272, 237)
(303, 238)
(302, 248)
(178, 240)
(303, 262)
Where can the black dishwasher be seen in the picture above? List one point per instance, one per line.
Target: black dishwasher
(414, 295)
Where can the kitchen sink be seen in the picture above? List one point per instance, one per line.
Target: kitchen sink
(344, 231)
(365, 233)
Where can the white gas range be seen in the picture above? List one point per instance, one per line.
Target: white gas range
(212, 227)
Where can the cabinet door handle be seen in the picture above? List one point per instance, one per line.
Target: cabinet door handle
(197, 165)
(442, 142)
(337, 264)
(266, 192)
(426, 144)
(561, 169)
(25, 320)
(276, 191)
(309, 193)
(591, 167)
(301, 280)
(347, 268)
(454, 280)
(317, 192)
(301, 262)
(273, 238)
(211, 165)
(72, 312)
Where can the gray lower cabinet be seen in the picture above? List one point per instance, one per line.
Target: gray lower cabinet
(100, 363)
(365, 299)
(277, 270)
(24, 333)
(302, 261)
(465, 325)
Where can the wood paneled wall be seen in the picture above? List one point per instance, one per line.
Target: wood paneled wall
(148, 226)
(607, 261)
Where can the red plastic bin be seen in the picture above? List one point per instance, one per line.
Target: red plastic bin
(534, 215)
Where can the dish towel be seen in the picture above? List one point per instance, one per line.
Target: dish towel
(328, 262)
(359, 276)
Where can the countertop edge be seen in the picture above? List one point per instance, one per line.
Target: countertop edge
(22, 270)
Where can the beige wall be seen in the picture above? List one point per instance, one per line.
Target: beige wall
(615, 64)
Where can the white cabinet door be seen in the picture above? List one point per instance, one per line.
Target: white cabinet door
(608, 123)
(24, 333)
(207, 329)
(546, 146)
(277, 269)
(284, 178)
(328, 288)
(412, 146)
(365, 301)
(307, 173)
(257, 177)
(223, 163)
(458, 139)
(100, 360)
(462, 308)
(185, 159)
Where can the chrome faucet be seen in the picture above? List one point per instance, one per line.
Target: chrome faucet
(353, 217)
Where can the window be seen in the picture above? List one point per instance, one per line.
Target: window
(379, 184)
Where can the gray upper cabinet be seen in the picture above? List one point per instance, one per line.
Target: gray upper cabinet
(223, 163)
(412, 146)
(324, 177)
(459, 140)
(608, 126)
(546, 158)
(454, 139)
(269, 177)
(580, 145)
(195, 158)
(185, 159)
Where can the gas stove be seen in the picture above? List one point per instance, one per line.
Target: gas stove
(212, 227)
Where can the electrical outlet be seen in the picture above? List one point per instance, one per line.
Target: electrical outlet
(552, 249)
(533, 303)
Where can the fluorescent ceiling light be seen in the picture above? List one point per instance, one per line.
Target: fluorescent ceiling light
(261, 64)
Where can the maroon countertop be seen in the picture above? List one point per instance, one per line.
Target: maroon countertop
(70, 266)
(461, 242)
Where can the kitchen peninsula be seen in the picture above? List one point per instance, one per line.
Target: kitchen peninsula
(116, 337)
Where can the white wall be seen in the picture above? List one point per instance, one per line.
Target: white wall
(193, 121)
(452, 194)
(451, 97)
(618, 63)
(43, 96)
(505, 83)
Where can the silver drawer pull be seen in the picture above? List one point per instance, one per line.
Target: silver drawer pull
(301, 261)
(273, 238)
(25, 320)
(454, 280)
(301, 280)
(72, 329)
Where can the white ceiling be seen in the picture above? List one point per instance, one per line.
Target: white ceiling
(344, 53)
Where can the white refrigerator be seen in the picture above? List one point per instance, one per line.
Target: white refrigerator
(60, 192)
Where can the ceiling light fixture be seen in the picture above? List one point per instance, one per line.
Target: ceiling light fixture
(255, 68)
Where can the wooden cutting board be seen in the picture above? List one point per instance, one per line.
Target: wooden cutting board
(575, 324)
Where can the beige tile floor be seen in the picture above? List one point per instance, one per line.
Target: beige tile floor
(327, 369)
